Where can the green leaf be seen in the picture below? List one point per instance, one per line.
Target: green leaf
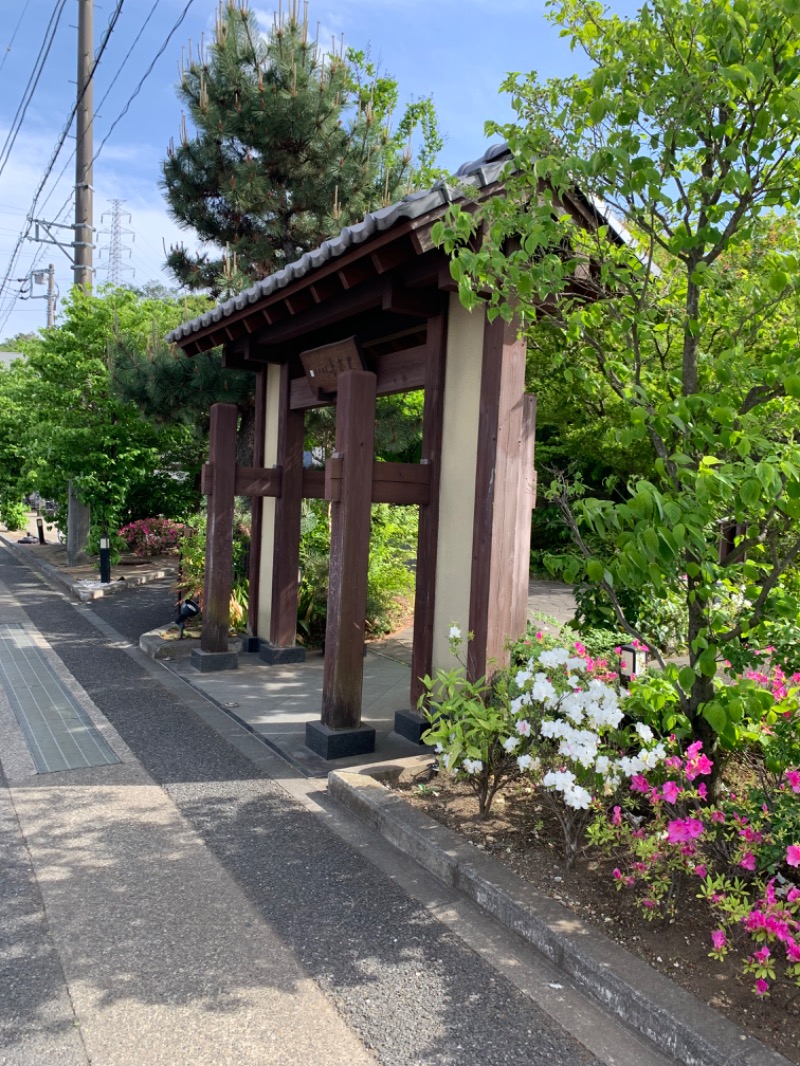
(714, 714)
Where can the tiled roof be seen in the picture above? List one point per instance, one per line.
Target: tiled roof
(480, 173)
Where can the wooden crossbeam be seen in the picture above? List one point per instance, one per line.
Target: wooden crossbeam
(400, 483)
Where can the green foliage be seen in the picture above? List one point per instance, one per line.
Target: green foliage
(13, 514)
(662, 620)
(684, 128)
(191, 575)
(290, 145)
(72, 425)
(390, 581)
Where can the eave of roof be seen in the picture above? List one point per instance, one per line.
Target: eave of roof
(479, 174)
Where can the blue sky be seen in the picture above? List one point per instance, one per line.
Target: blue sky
(457, 50)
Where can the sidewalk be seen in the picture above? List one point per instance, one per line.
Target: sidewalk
(274, 704)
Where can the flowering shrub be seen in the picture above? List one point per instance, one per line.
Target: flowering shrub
(553, 721)
(741, 852)
(152, 536)
(473, 729)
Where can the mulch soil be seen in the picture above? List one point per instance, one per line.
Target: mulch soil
(524, 836)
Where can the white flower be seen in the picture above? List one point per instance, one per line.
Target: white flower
(522, 677)
(575, 663)
(644, 731)
(472, 766)
(649, 759)
(578, 798)
(524, 727)
(602, 765)
(556, 657)
(510, 743)
(439, 748)
(455, 633)
(542, 688)
(630, 766)
(527, 762)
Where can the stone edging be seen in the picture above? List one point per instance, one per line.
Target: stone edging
(676, 1022)
(63, 583)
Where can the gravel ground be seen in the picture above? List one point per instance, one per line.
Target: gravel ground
(411, 989)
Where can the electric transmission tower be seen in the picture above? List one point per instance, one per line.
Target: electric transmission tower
(115, 248)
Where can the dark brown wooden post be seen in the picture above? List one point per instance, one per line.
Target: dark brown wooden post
(288, 511)
(428, 536)
(340, 732)
(219, 537)
(256, 506)
(526, 503)
(498, 478)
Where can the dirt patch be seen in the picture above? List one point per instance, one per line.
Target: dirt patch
(523, 836)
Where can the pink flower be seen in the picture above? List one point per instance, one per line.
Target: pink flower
(683, 829)
(762, 954)
(700, 870)
(674, 762)
(793, 777)
(616, 817)
(540, 635)
(717, 816)
(524, 727)
(670, 791)
(793, 854)
(639, 783)
(749, 861)
(762, 987)
(617, 874)
(700, 765)
(702, 790)
(793, 951)
(718, 939)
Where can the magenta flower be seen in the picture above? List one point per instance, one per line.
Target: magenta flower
(700, 870)
(682, 830)
(762, 954)
(702, 790)
(749, 861)
(718, 939)
(793, 854)
(670, 791)
(639, 783)
(762, 987)
(717, 816)
(616, 817)
(793, 777)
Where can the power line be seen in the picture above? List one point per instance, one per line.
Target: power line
(49, 168)
(33, 81)
(10, 44)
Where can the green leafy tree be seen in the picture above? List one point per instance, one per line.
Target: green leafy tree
(291, 143)
(686, 129)
(79, 429)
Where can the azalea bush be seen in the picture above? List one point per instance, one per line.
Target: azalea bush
(739, 855)
(152, 536)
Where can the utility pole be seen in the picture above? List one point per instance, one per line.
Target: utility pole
(51, 296)
(84, 228)
(78, 517)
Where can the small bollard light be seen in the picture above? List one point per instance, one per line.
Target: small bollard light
(632, 661)
(105, 560)
(187, 610)
(40, 529)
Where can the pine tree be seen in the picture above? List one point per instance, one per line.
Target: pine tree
(291, 144)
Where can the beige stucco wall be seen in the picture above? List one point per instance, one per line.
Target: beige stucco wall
(457, 494)
(268, 519)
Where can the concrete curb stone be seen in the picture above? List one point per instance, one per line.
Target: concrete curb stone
(56, 577)
(690, 1031)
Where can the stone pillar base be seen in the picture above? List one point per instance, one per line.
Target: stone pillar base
(410, 725)
(339, 743)
(208, 662)
(275, 656)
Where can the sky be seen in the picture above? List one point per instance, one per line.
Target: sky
(457, 51)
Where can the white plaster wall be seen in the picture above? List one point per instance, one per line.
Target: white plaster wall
(268, 513)
(459, 460)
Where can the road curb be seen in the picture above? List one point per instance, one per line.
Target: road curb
(677, 1023)
(56, 577)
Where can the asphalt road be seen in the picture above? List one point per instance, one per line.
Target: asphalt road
(408, 987)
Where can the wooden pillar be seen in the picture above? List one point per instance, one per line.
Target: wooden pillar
(497, 497)
(256, 506)
(350, 525)
(219, 531)
(288, 510)
(428, 536)
(526, 501)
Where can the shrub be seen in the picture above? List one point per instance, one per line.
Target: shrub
(13, 514)
(191, 577)
(152, 536)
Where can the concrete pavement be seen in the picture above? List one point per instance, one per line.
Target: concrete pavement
(413, 970)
